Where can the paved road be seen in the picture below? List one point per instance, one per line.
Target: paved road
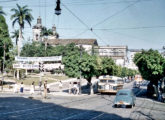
(19, 107)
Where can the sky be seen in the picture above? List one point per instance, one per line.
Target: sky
(139, 24)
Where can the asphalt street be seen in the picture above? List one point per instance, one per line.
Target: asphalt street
(88, 107)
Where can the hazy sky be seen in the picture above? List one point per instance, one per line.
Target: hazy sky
(135, 23)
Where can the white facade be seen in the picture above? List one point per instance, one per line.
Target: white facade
(130, 64)
(117, 53)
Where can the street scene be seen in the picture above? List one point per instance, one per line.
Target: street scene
(82, 60)
(60, 105)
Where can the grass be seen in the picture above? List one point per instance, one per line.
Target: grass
(50, 78)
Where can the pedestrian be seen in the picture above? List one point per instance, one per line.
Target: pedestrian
(32, 88)
(75, 88)
(48, 88)
(16, 88)
(70, 87)
(40, 84)
(45, 89)
(60, 85)
(21, 87)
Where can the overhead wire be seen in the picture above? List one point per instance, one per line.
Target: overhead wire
(130, 28)
(2, 1)
(102, 2)
(80, 33)
(115, 14)
(82, 22)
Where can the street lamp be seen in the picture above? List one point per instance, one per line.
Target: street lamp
(58, 9)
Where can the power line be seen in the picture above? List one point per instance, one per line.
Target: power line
(81, 33)
(130, 28)
(117, 13)
(8, 1)
(102, 2)
(75, 16)
(82, 22)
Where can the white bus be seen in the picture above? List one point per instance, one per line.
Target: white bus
(110, 84)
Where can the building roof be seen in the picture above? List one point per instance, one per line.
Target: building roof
(76, 41)
(112, 47)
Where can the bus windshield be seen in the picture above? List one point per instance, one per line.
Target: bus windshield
(120, 81)
(111, 81)
(103, 81)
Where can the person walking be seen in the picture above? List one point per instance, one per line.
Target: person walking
(32, 88)
(21, 87)
(60, 85)
(70, 87)
(40, 84)
(45, 89)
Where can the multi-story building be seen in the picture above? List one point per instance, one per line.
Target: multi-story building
(117, 53)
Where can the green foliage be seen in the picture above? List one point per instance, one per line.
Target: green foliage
(46, 32)
(150, 64)
(1, 11)
(4, 40)
(35, 49)
(108, 66)
(15, 35)
(87, 66)
(21, 15)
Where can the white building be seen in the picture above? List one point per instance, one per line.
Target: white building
(131, 53)
(37, 31)
(117, 53)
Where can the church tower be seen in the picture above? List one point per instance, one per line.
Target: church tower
(37, 30)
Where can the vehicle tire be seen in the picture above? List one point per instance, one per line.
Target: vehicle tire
(130, 106)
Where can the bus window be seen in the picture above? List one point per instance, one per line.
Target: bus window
(103, 81)
(120, 81)
(111, 81)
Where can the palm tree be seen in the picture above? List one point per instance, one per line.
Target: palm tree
(15, 35)
(21, 15)
(1, 11)
(46, 32)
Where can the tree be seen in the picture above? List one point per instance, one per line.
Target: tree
(151, 66)
(87, 66)
(108, 66)
(35, 49)
(5, 41)
(16, 36)
(46, 32)
(21, 15)
(1, 11)
(71, 60)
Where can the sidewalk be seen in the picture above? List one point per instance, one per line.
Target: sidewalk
(54, 89)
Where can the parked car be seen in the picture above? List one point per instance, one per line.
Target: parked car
(125, 97)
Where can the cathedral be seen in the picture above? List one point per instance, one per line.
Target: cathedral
(38, 30)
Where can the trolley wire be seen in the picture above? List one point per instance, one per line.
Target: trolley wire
(115, 14)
